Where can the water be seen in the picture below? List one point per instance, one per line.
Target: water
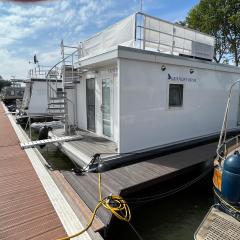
(55, 158)
(175, 217)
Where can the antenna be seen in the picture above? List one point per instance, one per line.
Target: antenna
(141, 5)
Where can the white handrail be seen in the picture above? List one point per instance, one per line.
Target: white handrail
(223, 134)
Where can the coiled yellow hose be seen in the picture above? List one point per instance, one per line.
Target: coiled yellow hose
(113, 203)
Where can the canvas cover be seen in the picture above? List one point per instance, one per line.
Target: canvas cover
(121, 33)
(39, 101)
(154, 34)
(26, 95)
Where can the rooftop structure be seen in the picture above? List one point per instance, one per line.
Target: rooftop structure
(150, 33)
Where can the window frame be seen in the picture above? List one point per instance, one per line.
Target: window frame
(168, 97)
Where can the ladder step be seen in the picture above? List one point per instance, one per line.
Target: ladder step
(62, 119)
(56, 108)
(56, 114)
(52, 140)
(69, 87)
(57, 103)
(70, 82)
(57, 98)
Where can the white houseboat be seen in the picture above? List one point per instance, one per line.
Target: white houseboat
(34, 105)
(143, 85)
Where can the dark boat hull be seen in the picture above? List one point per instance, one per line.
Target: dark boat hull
(233, 209)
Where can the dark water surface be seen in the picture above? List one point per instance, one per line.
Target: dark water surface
(173, 218)
(176, 217)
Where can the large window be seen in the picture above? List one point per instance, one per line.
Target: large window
(175, 95)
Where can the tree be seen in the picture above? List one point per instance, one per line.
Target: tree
(4, 83)
(233, 36)
(220, 18)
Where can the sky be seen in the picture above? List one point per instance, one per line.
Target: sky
(28, 29)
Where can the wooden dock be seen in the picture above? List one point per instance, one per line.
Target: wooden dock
(26, 212)
(32, 205)
(139, 176)
(82, 191)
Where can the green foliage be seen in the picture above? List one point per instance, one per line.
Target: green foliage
(4, 83)
(220, 18)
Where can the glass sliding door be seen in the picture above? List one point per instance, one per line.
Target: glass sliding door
(107, 107)
(90, 95)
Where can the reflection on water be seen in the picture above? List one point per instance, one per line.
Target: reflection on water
(55, 158)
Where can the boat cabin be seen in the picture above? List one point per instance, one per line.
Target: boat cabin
(12, 93)
(35, 99)
(145, 84)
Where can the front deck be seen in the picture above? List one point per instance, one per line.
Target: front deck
(81, 151)
(218, 225)
(129, 180)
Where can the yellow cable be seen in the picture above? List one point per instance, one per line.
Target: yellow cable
(115, 204)
(87, 227)
(100, 186)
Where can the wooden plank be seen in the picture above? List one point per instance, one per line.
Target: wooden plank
(26, 211)
(91, 144)
(137, 176)
(88, 191)
(80, 208)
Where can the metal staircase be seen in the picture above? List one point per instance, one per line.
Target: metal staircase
(63, 77)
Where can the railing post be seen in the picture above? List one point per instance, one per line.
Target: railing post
(225, 149)
(30, 129)
(144, 26)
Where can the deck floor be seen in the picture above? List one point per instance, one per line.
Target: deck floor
(136, 177)
(26, 211)
(90, 144)
(218, 225)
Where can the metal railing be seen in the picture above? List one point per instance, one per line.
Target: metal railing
(222, 148)
(41, 71)
(67, 61)
(225, 148)
(150, 33)
(141, 40)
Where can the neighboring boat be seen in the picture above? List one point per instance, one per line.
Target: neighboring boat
(10, 94)
(226, 179)
(223, 219)
(34, 107)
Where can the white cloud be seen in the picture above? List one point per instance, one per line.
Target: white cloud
(5, 41)
(64, 5)
(69, 16)
(12, 65)
(28, 21)
(46, 24)
(49, 58)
